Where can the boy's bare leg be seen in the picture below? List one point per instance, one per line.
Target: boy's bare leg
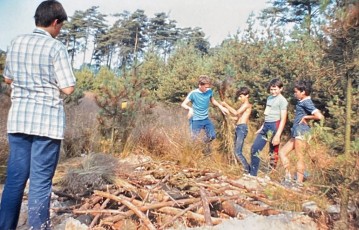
(299, 146)
(283, 154)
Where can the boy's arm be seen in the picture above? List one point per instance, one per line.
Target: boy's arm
(317, 115)
(7, 80)
(230, 109)
(185, 106)
(283, 120)
(223, 109)
(185, 102)
(241, 109)
(68, 90)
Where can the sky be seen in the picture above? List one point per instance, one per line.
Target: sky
(217, 18)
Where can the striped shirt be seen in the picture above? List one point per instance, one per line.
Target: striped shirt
(39, 67)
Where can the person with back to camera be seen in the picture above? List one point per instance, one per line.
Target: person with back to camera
(242, 117)
(275, 117)
(304, 112)
(38, 69)
(198, 113)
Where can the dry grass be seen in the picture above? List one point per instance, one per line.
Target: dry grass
(81, 136)
(165, 136)
(95, 171)
(168, 138)
(4, 109)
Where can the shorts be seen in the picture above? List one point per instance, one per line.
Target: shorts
(300, 132)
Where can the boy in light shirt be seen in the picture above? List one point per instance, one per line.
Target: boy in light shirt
(275, 117)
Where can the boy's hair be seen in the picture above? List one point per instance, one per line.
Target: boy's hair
(203, 80)
(242, 90)
(305, 86)
(275, 82)
(48, 11)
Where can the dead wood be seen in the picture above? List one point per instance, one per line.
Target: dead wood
(208, 177)
(205, 204)
(238, 185)
(96, 212)
(104, 204)
(89, 203)
(191, 215)
(235, 210)
(266, 211)
(191, 207)
(158, 195)
(66, 209)
(64, 194)
(135, 209)
(140, 214)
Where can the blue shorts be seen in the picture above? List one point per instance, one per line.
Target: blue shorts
(300, 131)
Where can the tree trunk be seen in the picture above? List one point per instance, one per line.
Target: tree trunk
(344, 190)
(348, 110)
(134, 74)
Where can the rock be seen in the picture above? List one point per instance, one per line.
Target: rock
(85, 219)
(72, 224)
(249, 182)
(333, 209)
(310, 207)
(287, 221)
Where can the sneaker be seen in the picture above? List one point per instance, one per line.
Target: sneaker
(305, 176)
(288, 177)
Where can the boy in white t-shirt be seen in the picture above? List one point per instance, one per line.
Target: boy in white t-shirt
(275, 117)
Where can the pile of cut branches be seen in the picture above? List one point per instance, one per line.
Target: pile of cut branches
(161, 195)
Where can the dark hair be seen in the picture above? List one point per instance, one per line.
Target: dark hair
(242, 90)
(305, 86)
(275, 82)
(48, 11)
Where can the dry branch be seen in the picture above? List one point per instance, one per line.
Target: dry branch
(189, 214)
(191, 207)
(135, 209)
(195, 196)
(205, 204)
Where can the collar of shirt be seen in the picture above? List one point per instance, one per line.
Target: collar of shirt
(306, 98)
(38, 30)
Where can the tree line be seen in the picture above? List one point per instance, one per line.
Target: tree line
(123, 43)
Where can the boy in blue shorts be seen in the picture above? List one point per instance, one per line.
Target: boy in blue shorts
(198, 113)
(275, 117)
(304, 112)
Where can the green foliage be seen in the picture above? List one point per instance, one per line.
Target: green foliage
(181, 74)
(84, 82)
(123, 101)
(151, 71)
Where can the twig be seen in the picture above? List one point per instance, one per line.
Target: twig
(189, 208)
(62, 194)
(103, 206)
(99, 211)
(191, 215)
(125, 201)
(140, 214)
